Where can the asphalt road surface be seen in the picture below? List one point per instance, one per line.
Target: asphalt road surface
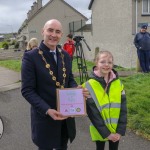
(15, 112)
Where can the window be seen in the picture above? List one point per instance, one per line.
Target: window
(146, 7)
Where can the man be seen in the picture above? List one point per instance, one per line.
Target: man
(142, 43)
(41, 75)
(69, 45)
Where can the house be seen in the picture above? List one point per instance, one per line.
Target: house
(114, 25)
(2, 38)
(38, 15)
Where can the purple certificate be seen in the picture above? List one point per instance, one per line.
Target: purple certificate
(70, 102)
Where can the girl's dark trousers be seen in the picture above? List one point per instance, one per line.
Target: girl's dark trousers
(112, 145)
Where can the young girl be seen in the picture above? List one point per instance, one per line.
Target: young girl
(107, 106)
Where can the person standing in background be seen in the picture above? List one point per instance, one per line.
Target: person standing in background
(33, 43)
(69, 45)
(142, 43)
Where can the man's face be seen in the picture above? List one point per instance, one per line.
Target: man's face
(143, 30)
(52, 33)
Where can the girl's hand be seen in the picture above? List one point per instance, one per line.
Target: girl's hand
(85, 92)
(112, 137)
(118, 136)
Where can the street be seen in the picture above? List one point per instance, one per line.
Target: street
(15, 112)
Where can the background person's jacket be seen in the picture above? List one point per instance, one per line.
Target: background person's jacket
(142, 41)
(69, 47)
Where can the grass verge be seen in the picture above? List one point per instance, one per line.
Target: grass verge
(11, 64)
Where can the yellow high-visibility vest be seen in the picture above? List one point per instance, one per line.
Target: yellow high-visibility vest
(108, 105)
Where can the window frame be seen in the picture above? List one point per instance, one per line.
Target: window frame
(146, 13)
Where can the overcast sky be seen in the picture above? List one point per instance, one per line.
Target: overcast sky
(14, 12)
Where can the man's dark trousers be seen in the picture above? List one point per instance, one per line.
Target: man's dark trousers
(144, 59)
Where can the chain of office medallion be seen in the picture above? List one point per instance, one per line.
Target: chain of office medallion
(47, 65)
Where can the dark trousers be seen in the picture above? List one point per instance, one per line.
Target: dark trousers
(144, 59)
(64, 138)
(112, 145)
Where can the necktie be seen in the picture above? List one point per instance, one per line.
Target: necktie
(55, 57)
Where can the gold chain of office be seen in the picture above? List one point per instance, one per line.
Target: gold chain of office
(47, 65)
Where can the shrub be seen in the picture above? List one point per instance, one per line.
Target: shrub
(17, 45)
(5, 45)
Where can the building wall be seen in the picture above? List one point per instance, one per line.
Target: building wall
(141, 18)
(133, 17)
(112, 30)
(64, 14)
(23, 38)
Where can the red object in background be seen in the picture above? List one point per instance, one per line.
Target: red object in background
(69, 47)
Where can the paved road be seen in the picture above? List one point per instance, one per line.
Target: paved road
(8, 77)
(15, 112)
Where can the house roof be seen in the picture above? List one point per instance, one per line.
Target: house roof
(85, 28)
(27, 20)
(75, 10)
(90, 5)
(65, 4)
(2, 36)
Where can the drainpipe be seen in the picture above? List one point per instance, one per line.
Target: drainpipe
(136, 13)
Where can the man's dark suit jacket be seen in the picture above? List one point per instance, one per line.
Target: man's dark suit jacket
(39, 90)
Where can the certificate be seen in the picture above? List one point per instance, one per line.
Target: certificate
(70, 102)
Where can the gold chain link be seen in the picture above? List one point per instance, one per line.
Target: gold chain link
(47, 65)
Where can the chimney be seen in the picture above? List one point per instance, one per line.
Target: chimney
(32, 11)
(29, 14)
(35, 7)
(39, 3)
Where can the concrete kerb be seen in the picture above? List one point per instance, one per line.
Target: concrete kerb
(9, 79)
(10, 87)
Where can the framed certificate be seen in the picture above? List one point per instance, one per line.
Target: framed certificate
(70, 102)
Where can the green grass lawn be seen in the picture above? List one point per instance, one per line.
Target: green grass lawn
(137, 92)
(1, 43)
(89, 65)
(138, 101)
(11, 64)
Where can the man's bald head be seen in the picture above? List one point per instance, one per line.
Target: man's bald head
(52, 33)
(52, 21)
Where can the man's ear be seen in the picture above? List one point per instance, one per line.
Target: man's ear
(62, 34)
(42, 31)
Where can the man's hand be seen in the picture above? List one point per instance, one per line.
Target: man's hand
(85, 92)
(55, 114)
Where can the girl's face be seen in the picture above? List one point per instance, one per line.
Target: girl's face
(104, 64)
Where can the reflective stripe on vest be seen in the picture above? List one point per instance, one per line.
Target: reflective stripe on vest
(107, 104)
